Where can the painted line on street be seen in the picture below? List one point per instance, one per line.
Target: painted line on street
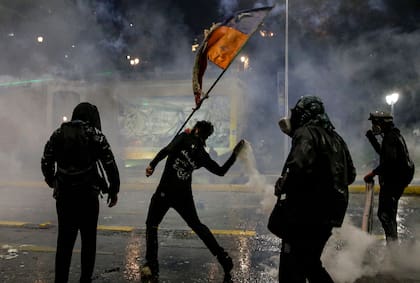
(249, 233)
(42, 249)
(357, 188)
(13, 223)
(116, 228)
(410, 190)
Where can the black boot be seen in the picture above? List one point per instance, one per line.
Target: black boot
(226, 261)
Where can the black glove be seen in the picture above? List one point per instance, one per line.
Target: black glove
(112, 200)
(238, 147)
(278, 186)
(50, 182)
(370, 134)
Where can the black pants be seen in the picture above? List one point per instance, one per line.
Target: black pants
(76, 213)
(159, 206)
(389, 196)
(300, 258)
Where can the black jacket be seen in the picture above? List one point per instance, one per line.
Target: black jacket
(186, 153)
(319, 169)
(393, 158)
(70, 156)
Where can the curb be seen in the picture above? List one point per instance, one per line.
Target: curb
(357, 188)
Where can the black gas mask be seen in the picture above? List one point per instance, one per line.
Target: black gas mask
(380, 121)
(289, 124)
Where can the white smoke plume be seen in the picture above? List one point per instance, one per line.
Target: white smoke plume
(256, 180)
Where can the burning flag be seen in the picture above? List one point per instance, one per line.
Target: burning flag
(223, 42)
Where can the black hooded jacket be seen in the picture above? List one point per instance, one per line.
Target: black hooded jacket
(319, 169)
(394, 160)
(71, 153)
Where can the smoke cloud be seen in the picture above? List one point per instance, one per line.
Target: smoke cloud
(350, 254)
(350, 53)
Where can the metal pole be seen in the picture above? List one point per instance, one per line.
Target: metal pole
(286, 76)
(367, 220)
(286, 62)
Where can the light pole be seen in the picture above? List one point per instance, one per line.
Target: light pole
(286, 75)
(391, 99)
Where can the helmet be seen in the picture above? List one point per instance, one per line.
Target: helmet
(310, 109)
(310, 106)
(380, 117)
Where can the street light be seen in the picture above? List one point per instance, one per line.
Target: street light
(391, 99)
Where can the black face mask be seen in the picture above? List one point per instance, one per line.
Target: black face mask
(376, 129)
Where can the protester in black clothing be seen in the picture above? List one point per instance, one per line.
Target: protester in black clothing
(395, 169)
(312, 192)
(185, 153)
(70, 166)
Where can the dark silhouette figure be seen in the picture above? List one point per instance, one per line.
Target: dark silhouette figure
(312, 192)
(70, 166)
(185, 154)
(395, 169)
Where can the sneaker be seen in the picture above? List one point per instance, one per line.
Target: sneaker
(227, 279)
(150, 271)
(226, 261)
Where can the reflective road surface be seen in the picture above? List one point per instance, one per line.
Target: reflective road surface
(236, 214)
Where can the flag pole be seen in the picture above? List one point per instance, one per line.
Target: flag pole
(201, 101)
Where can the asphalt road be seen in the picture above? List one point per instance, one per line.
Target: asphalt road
(236, 214)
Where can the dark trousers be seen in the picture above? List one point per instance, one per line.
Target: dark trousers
(389, 196)
(300, 258)
(159, 206)
(76, 213)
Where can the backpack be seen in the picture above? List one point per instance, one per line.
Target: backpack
(408, 166)
(77, 164)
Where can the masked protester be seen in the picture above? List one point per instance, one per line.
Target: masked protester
(312, 192)
(395, 169)
(185, 154)
(69, 165)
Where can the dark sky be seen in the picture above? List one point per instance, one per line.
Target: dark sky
(364, 46)
(351, 53)
(117, 27)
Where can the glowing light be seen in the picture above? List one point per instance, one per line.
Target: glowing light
(12, 34)
(65, 118)
(40, 39)
(245, 62)
(128, 57)
(392, 98)
(266, 33)
(194, 47)
(134, 61)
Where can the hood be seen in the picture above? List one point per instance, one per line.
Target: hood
(88, 113)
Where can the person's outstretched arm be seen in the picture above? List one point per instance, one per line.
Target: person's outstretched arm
(216, 169)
